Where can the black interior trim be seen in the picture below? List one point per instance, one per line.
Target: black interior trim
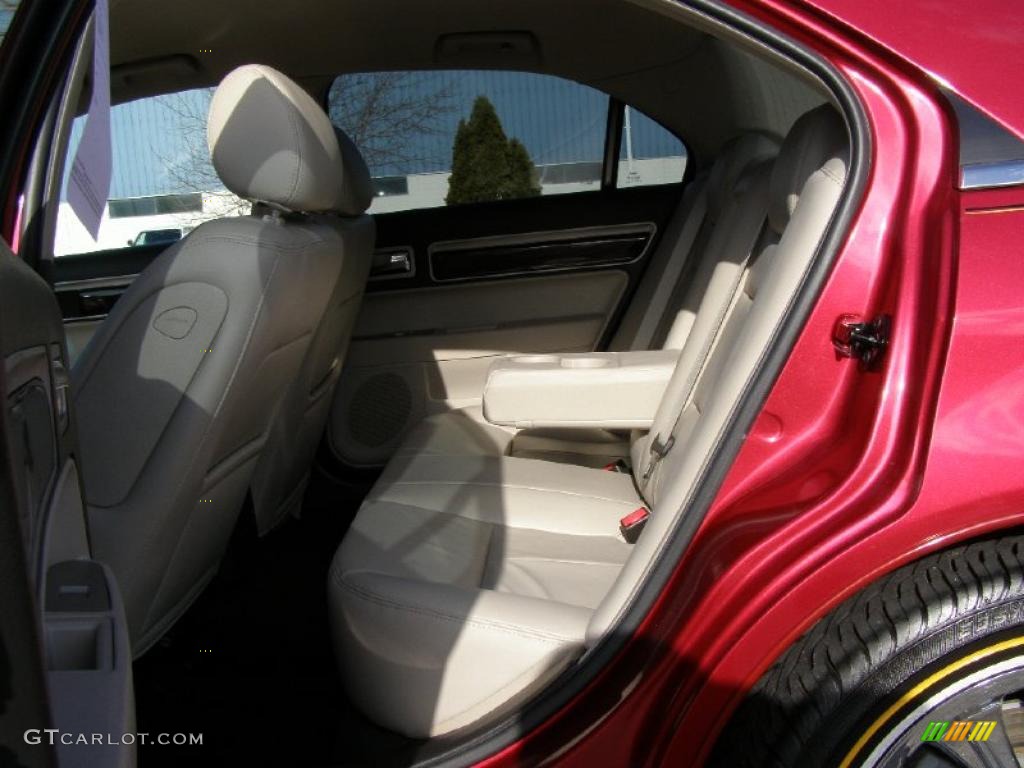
(612, 143)
(455, 261)
(114, 262)
(424, 229)
(87, 285)
(34, 58)
(460, 329)
(469, 748)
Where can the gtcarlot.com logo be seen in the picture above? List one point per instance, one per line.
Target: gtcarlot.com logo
(55, 736)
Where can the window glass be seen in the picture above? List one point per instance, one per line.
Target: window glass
(163, 184)
(648, 154)
(7, 10)
(445, 138)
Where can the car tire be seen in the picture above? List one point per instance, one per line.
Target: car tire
(927, 630)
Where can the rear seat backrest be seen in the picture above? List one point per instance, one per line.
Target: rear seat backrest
(659, 320)
(803, 191)
(660, 316)
(733, 246)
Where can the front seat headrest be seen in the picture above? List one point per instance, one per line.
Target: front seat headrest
(271, 142)
(356, 186)
(818, 141)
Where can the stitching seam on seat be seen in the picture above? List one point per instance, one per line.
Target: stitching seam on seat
(830, 174)
(549, 638)
(481, 520)
(562, 560)
(462, 484)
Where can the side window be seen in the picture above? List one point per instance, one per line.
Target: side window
(648, 154)
(163, 184)
(7, 10)
(446, 138)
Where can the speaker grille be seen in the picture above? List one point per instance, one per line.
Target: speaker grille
(380, 409)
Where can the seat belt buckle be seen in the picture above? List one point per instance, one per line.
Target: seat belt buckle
(619, 465)
(633, 523)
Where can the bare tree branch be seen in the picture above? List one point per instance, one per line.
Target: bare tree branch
(386, 114)
(191, 168)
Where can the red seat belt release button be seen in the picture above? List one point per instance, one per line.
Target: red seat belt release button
(633, 523)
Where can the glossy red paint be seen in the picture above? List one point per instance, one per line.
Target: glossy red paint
(847, 474)
(962, 44)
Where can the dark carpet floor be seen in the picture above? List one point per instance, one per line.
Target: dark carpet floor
(250, 665)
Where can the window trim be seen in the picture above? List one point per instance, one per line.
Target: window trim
(612, 143)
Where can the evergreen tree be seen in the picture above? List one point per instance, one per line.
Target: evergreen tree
(486, 165)
(523, 176)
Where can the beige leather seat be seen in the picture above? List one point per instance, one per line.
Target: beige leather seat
(467, 582)
(284, 466)
(175, 392)
(660, 317)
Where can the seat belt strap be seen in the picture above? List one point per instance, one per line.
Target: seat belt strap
(682, 253)
(659, 448)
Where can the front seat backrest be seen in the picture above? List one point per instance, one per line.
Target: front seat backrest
(175, 392)
(296, 429)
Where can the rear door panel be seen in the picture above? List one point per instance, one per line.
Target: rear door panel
(88, 284)
(537, 275)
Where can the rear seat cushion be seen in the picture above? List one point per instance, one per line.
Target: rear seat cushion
(456, 432)
(423, 658)
(511, 491)
(465, 431)
(477, 558)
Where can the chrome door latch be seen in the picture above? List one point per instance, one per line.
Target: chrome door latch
(866, 341)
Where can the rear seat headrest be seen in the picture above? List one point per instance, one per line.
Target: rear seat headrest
(736, 156)
(818, 141)
(271, 142)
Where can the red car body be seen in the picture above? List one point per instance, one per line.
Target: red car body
(848, 474)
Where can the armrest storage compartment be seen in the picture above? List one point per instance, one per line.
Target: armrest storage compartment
(89, 663)
(612, 390)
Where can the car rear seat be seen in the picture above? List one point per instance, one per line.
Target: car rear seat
(467, 582)
(660, 317)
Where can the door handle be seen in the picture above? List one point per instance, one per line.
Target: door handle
(393, 262)
(99, 302)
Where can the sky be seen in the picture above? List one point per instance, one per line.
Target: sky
(558, 121)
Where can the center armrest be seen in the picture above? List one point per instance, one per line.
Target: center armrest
(613, 390)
